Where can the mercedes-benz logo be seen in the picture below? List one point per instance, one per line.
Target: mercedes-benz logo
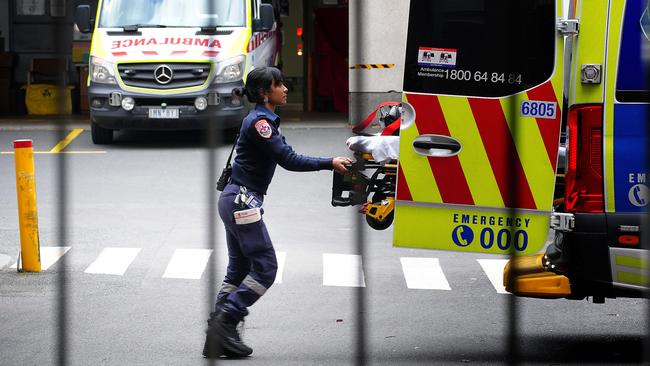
(163, 74)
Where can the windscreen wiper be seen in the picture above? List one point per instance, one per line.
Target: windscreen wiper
(135, 27)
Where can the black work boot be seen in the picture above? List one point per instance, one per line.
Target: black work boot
(222, 337)
(212, 347)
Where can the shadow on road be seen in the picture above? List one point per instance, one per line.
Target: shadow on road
(134, 139)
(539, 349)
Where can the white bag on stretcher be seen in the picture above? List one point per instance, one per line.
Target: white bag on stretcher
(382, 148)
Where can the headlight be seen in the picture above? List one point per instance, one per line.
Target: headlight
(230, 70)
(102, 71)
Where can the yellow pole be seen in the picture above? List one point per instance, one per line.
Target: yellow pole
(30, 253)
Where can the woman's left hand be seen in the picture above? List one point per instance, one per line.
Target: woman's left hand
(339, 163)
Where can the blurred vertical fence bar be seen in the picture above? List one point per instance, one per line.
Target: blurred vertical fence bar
(355, 110)
(210, 138)
(62, 323)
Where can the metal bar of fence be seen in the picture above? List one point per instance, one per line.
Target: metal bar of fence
(645, 224)
(62, 323)
(355, 110)
(210, 137)
(512, 356)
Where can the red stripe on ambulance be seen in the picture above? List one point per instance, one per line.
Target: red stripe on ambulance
(119, 54)
(501, 151)
(403, 192)
(548, 128)
(448, 172)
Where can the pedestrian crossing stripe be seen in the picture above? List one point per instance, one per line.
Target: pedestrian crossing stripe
(424, 274)
(187, 264)
(339, 270)
(113, 261)
(343, 270)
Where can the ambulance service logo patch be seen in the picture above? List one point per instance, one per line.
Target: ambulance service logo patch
(263, 128)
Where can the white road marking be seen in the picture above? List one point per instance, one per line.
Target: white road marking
(113, 261)
(343, 270)
(187, 263)
(424, 273)
(49, 256)
(493, 268)
(282, 259)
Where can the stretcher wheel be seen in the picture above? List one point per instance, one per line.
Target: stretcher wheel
(380, 225)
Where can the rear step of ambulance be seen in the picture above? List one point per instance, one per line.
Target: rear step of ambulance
(527, 276)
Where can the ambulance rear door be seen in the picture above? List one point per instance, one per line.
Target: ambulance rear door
(480, 132)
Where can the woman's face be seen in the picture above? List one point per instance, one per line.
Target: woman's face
(278, 94)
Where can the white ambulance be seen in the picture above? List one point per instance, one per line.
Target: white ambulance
(174, 64)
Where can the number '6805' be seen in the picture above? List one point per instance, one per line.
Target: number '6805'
(537, 109)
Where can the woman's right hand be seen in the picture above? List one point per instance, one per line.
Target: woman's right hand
(339, 163)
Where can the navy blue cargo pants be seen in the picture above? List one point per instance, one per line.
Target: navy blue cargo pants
(252, 263)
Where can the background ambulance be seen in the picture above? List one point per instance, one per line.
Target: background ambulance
(173, 64)
(488, 89)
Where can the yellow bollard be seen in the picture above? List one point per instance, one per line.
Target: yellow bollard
(30, 253)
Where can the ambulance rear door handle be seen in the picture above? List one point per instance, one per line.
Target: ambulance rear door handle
(436, 146)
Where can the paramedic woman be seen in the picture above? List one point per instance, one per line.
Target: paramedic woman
(252, 262)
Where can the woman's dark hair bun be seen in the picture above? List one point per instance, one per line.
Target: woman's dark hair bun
(260, 80)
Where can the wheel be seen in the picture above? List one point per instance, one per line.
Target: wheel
(101, 135)
(380, 224)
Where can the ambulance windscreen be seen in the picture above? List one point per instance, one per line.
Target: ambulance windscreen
(172, 13)
(485, 48)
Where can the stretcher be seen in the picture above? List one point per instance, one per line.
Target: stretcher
(373, 175)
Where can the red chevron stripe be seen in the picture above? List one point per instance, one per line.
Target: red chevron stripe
(403, 191)
(448, 172)
(501, 151)
(548, 128)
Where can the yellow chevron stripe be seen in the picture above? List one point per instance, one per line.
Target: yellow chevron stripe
(532, 152)
(615, 30)
(416, 168)
(473, 158)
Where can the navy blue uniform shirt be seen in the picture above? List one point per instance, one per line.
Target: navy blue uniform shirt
(261, 147)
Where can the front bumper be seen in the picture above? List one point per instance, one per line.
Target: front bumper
(228, 112)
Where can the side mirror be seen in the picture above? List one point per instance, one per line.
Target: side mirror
(82, 18)
(266, 20)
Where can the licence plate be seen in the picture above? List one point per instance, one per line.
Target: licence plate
(163, 113)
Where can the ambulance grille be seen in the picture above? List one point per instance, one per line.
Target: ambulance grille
(183, 75)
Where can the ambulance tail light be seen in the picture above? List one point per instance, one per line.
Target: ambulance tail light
(584, 174)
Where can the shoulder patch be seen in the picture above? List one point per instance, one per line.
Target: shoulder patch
(263, 128)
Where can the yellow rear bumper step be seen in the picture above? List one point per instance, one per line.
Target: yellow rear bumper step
(531, 279)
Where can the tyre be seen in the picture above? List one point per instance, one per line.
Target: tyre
(383, 224)
(380, 224)
(101, 135)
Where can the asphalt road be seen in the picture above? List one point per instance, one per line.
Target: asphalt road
(139, 210)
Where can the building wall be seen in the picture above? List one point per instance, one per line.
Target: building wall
(378, 31)
(4, 25)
